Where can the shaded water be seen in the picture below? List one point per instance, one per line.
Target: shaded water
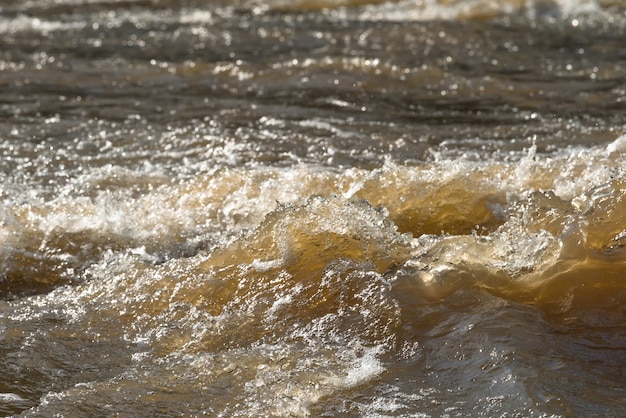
(313, 208)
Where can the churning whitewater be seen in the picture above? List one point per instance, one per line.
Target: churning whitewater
(313, 208)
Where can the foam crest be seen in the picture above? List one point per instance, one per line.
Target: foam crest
(311, 297)
(312, 235)
(545, 240)
(287, 333)
(112, 209)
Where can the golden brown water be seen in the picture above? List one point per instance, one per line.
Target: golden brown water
(312, 208)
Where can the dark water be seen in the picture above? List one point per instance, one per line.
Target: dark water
(313, 208)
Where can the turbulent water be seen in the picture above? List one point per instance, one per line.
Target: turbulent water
(313, 208)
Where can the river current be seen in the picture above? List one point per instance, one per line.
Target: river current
(326, 208)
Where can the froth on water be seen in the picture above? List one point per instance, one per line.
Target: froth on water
(389, 289)
(312, 208)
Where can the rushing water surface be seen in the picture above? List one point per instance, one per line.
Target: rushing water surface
(313, 208)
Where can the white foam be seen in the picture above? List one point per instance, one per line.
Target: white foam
(24, 23)
(617, 146)
(266, 265)
(196, 16)
(365, 367)
(11, 398)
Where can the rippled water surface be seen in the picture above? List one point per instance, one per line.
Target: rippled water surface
(313, 208)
